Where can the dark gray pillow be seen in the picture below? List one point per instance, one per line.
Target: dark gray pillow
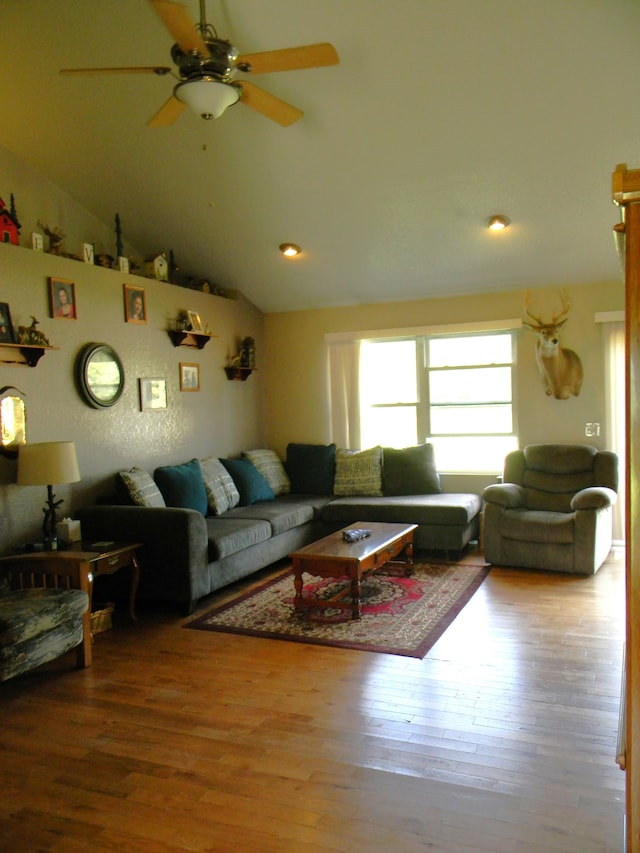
(410, 471)
(311, 468)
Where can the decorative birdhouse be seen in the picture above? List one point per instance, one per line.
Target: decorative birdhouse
(157, 267)
(9, 224)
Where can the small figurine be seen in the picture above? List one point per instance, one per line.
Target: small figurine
(55, 236)
(31, 335)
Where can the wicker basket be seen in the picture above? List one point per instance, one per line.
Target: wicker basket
(101, 619)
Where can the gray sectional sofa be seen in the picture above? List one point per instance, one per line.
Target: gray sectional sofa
(254, 511)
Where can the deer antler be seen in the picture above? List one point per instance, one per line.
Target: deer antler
(564, 309)
(527, 302)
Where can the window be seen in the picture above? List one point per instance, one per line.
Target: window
(455, 391)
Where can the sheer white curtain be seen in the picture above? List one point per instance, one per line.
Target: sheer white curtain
(614, 353)
(344, 379)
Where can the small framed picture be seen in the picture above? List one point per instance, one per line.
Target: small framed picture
(153, 394)
(62, 299)
(189, 376)
(194, 321)
(135, 304)
(7, 335)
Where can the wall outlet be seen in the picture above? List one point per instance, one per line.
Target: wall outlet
(592, 430)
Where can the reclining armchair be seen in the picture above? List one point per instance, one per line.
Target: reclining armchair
(44, 612)
(553, 509)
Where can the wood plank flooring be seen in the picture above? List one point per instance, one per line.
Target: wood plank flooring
(502, 739)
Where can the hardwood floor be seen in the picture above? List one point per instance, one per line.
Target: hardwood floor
(502, 739)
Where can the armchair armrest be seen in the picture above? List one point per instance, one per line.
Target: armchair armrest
(595, 497)
(507, 495)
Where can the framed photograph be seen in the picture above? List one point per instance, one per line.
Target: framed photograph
(135, 304)
(189, 376)
(62, 299)
(6, 328)
(194, 321)
(153, 394)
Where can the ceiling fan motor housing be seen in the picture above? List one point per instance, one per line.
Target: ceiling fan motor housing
(219, 64)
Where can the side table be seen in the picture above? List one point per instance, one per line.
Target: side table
(106, 558)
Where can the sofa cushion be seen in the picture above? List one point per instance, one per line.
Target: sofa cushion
(138, 487)
(311, 468)
(358, 472)
(281, 516)
(439, 510)
(410, 471)
(538, 526)
(182, 486)
(229, 535)
(250, 483)
(269, 465)
(222, 493)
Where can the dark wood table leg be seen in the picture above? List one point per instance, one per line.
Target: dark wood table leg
(297, 582)
(355, 595)
(135, 580)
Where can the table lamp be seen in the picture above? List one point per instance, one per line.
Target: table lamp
(43, 465)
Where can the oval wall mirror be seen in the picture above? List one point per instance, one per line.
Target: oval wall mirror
(100, 375)
(13, 420)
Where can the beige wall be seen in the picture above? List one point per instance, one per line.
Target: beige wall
(222, 419)
(296, 370)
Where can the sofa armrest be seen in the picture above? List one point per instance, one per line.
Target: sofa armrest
(507, 495)
(595, 497)
(174, 553)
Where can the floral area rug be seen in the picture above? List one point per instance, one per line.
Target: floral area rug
(400, 616)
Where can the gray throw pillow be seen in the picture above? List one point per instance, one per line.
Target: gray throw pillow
(411, 471)
(140, 488)
(222, 493)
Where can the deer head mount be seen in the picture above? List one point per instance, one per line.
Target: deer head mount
(560, 368)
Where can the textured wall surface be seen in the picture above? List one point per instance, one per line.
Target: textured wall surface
(221, 419)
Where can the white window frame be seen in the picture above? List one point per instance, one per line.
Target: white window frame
(421, 335)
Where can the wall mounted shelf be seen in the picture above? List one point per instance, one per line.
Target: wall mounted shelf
(31, 354)
(189, 339)
(239, 373)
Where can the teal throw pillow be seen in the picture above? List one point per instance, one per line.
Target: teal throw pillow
(182, 486)
(250, 483)
(410, 471)
(311, 468)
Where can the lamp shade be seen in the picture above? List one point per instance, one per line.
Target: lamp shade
(207, 96)
(47, 463)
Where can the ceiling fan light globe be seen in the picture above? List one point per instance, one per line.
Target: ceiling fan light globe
(207, 96)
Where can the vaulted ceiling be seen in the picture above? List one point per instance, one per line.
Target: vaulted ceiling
(440, 113)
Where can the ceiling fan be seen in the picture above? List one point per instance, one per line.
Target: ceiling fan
(206, 65)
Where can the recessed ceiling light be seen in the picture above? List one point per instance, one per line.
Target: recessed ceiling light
(498, 222)
(290, 250)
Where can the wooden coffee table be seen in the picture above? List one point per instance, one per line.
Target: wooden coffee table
(332, 557)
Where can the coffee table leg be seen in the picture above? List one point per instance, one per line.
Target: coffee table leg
(408, 553)
(355, 597)
(297, 582)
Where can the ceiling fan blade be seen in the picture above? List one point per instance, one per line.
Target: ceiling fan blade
(167, 113)
(290, 58)
(160, 70)
(267, 104)
(179, 22)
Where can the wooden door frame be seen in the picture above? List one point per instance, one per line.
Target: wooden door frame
(626, 193)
